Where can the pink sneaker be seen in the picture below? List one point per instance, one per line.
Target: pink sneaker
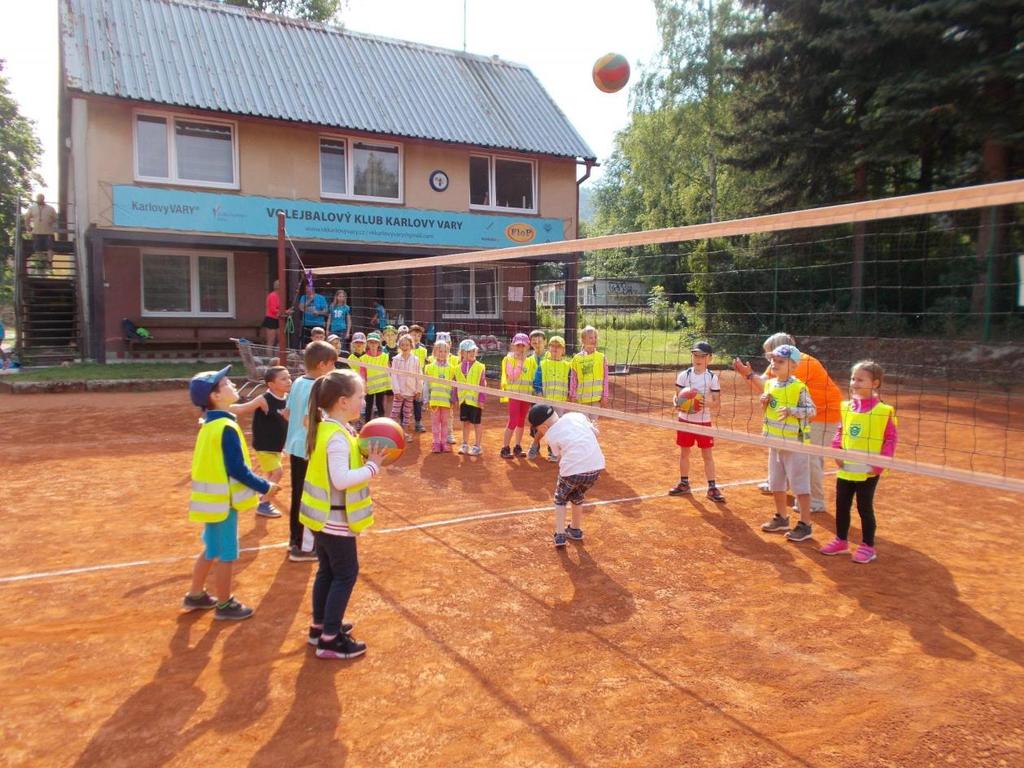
(864, 554)
(835, 547)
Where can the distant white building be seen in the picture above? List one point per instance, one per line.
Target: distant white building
(595, 292)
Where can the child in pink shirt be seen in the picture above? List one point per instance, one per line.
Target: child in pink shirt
(868, 425)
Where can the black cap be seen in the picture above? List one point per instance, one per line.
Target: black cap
(702, 346)
(539, 413)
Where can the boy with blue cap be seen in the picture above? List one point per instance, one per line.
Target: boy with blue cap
(788, 410)
(222, 485)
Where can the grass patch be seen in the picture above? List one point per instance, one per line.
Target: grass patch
(98, 372)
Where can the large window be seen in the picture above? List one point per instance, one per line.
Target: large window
(367, 170)
(500, 183)
(183, 150)
(470, 292)
(181, 284)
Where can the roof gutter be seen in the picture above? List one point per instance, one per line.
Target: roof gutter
(590, 166)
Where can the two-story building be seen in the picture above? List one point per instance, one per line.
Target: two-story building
(186, 125)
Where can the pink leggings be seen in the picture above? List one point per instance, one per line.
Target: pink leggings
(517, 410)
(439, 426)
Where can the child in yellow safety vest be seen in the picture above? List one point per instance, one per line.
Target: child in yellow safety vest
(551, 381)
(788, 410)
(471, 403)
(517, 371)
(440, 395)
(538, 341)
(416, 331)
(377, 377)
(588, 380)
(453, 360)
(223, 485)
(336, 506)
(867, 425)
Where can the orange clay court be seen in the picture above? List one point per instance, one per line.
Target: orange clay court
(676, 634)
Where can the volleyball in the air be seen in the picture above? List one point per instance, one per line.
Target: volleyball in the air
(689, 400)
(611, 72)
(382, 433)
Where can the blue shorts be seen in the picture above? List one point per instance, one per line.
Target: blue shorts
(221, 539)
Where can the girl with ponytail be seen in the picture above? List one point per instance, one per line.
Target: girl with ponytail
(336, 506)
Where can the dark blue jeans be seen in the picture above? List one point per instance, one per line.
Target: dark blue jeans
(332, 588)
(417, 411)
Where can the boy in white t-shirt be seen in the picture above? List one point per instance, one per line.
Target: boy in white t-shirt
(697, 396)
(573, 438)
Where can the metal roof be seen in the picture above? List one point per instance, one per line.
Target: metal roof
(210, 56)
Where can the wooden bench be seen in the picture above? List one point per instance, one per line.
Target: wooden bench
(192, 335)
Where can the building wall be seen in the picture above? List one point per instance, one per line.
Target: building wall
(122, 271)
(279, 159)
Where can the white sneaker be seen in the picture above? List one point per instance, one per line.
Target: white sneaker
(475, 450)
(764, 487)
(814, 510)
(451, 440)
(464, 448)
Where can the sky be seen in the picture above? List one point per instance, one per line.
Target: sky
(558, 39)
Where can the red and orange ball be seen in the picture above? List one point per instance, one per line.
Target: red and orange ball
(611, 72)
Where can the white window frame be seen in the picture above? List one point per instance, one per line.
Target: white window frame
(193, 281)
(491, 180)
(350, 176)
(172, 153)
(472, 315)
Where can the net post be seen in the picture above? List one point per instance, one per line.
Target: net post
(570, 271)
(282, 288)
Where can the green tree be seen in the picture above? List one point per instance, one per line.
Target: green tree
(665, 169)
(19, 159)
(309, 10)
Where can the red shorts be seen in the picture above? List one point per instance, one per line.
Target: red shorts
(688, 439)
(517, 410)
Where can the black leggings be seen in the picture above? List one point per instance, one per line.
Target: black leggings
(864, 490)
(332, 587)
(298, 477)
(378, 399)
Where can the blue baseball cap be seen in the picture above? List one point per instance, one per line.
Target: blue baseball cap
(787, 351)
(203, 384)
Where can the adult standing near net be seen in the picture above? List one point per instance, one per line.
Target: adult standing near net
(826, 396)
(313, 307)
(41, 221)
(272, 317)
(340, 317)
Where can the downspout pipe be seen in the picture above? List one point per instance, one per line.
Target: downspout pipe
(571, 270)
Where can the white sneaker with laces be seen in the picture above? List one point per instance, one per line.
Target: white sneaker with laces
(476, 450)
(464, 448)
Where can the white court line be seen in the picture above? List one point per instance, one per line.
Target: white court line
(399, 529)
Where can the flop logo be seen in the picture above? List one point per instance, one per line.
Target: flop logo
(773, 403)
(855, 430)
(520, 232)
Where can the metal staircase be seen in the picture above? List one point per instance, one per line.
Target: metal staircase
(48, 317)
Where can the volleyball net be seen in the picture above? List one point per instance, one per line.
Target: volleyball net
(927, 285)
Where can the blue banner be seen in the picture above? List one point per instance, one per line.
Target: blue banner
(155, 208)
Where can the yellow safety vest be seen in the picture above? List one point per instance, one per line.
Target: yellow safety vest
(421, 354)
(554, 376)
(524, 382)
(214, 494)
(315, 509)
(469, 396)
(589, 376)
(440, 395)
(790, 427)
(377, 379)
(863, 432)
